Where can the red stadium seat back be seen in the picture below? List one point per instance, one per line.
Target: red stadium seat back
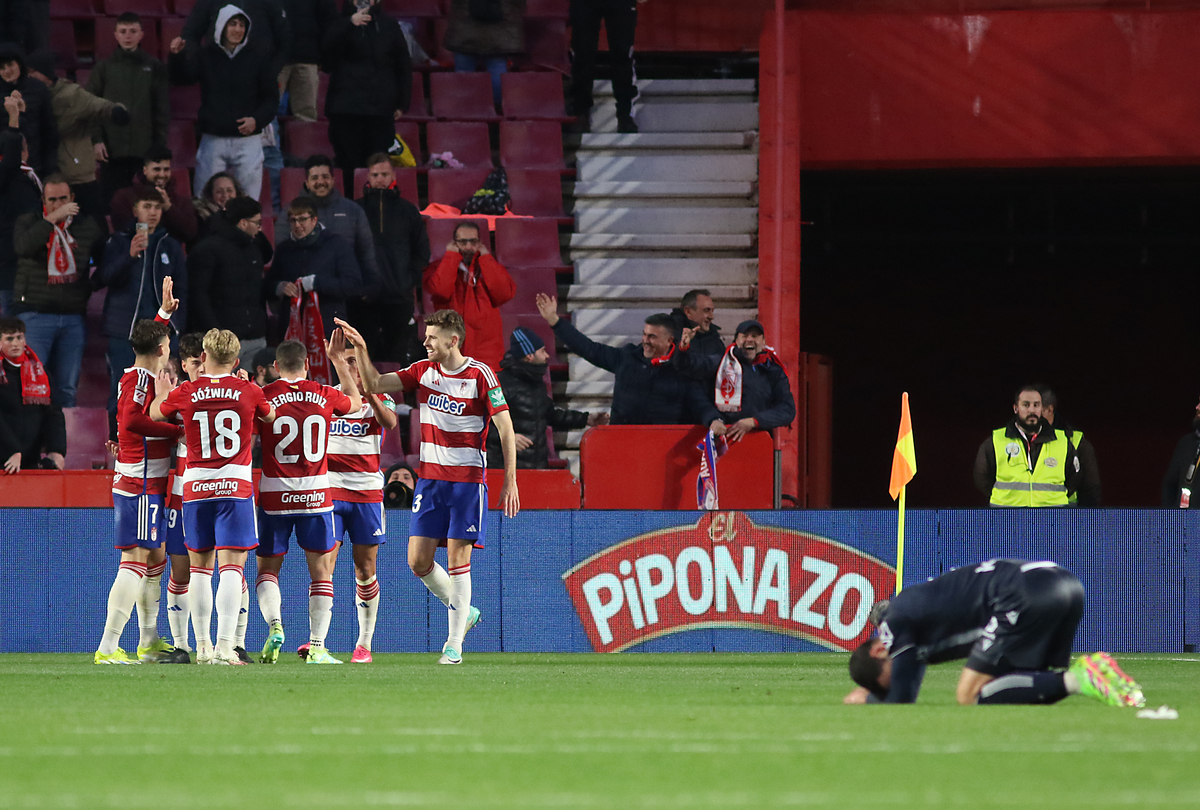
(414, 431)
(462, 97)
(62, 42)
(527, 242)
(185, 102)
(72, 10)
(170, 27)
(291, 184)
(535, 323)
(106, 43)
(418, 107)
(143, 8)
(531, 145)
(303, 139)
(406, 184)
(530, 281)
(88, 429)
(441, 231)
(533, 96)
(468, 142)
(268, 207)
(547, 9)
(536, 192)
(545, 46)
(322, 93)
(181, 139)
(183, 7)
(407, 9)
(82, 77)
(455, 186)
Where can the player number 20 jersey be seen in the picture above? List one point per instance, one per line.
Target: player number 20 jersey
(295, 477)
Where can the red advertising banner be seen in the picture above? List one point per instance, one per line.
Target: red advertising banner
(724, 571)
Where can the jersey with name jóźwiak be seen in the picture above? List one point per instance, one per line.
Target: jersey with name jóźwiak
(355, 444)
(143, 459)
(218, 421)
(455, 408)
(295, 476)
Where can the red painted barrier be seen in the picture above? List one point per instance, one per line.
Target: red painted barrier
(655, 467)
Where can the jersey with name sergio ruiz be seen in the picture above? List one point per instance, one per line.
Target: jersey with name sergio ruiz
(295, 478)
(455, 410)
(355, 443)
(218, 416)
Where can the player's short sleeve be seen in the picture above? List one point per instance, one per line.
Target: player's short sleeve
(170, 406)
(386, 401)
(410, 377)
(259, 400)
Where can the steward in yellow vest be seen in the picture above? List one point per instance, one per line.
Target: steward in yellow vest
(1026, 462)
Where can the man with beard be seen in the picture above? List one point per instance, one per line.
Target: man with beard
(1027, 462)
(178, 210)
(522, 376)
(1181, 472)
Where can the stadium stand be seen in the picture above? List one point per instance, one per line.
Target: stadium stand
(534, 97)
(467, 142)
(462, 97)
(455, 186)
(181, 138)
(303, 139)
(531, 145)
(72, 10)
(537, 193)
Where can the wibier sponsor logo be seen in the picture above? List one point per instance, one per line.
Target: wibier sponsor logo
(726, 572)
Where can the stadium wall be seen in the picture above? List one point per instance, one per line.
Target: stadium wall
(578, 581)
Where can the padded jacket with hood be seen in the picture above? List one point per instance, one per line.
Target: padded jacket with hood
(37, 122)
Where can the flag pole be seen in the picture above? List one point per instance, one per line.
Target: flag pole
(900, 544)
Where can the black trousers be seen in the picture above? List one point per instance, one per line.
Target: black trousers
(387, 326)
(116, 174)
(87, 196)
(355, 138)
(620, 21)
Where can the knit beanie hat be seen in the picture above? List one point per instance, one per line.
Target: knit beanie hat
(524, 341)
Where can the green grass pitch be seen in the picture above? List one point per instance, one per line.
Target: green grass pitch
(567, 731)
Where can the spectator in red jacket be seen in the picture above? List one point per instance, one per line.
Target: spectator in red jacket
(471, 282)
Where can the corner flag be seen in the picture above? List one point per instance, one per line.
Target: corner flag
(904, 459)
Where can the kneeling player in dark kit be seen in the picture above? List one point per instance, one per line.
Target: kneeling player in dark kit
(1012, 620)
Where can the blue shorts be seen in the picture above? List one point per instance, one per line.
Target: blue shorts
(364, 521)
(175, 545)
(220, 523)
(140, 521)
(445, 509)
(313, 533)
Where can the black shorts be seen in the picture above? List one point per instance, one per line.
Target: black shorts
(1033, 623)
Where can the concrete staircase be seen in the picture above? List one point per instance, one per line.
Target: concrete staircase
(658, 213)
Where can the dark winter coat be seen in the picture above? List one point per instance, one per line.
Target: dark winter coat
(345, 218)
(18, 195)
(76, 111)
(139, 81)
(32, 290)
(532, 412)
(331, 259)
(225, 279)
(465, 34)
(135, 283)
(180, 219)
(370, 70)
(1186, 452)
(37, 122)
(267, 18)
(231, 87)
(28, 429)
(645, 393)
(308, 21)
(708, 343)
(766, 394)
(401, 242)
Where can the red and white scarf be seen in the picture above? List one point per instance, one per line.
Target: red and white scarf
(32, 175)
(60, 264)
(35, 384)
(305, 325)
(729, 377)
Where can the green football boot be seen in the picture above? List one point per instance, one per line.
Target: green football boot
(1129, 689)
(274, 643)
(320, 655)
(1093, 682)
(117, 656)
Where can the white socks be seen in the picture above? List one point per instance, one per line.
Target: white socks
(239, 637)
(228, 603)
(367, 605)
(266, 588)
(177, 612)
(147, 604)
(438, 583)
(460, 605)
(320, 611)
(121, 597)
(200, 598)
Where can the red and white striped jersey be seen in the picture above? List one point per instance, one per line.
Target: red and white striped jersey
(218, 420)
(456, 408)
(143, 445)
(175, 494)
(355, 441)
(295, 477)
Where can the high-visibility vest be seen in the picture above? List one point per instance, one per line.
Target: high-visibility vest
(1075, 438)
(1018, 485)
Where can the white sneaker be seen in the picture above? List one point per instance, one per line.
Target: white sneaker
(221, 659)
(450, 655)
(204, 653)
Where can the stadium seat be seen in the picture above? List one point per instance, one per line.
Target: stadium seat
(545, 46)
(181, 138)
(143, 8)
(534, 96)
(441, 231)
(547, 9)
(531, 145)
(88, 431)
(322, 94)
(462, 97)
(455, 186)
(408, 9)
(468, 142)
(536, 193)
(106, 43)
(183, 7)
(291, 183)
(82, 77)
(410, 131)
(524, 242)
(303, 139)
(418, 108)
(406, 183)
(62, 42)
(185, 102)
(169, 28)
(72, 10)
(530, 281)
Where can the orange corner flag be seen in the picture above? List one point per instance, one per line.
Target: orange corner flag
(904, 459)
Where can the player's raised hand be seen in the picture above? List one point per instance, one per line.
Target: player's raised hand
(169, 302)
(335, 347)
(243, 375)
(351, 334)
(547, 307)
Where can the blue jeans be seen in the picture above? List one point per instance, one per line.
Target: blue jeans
(496, 65)
(58, 341)
(120, 356)
(241, 156)
(6, 299)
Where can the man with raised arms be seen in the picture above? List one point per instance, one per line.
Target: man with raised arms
(294, 489)
(457, 396)
(218, 493)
